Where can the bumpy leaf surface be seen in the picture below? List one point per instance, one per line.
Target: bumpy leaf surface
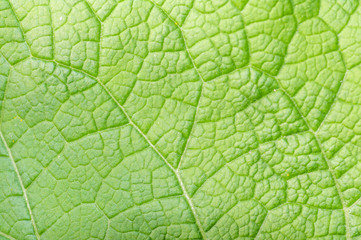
(187, 119)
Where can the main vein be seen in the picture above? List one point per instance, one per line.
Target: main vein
(22, 186)
(199, 75)
(175, 171)
(338, 188)
(7, 236)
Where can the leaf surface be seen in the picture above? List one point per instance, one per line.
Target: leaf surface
(161, 119)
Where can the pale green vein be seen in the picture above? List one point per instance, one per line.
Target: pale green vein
(334, 102)
(338, 188)
(22, 185)
(355, 203)
(4, 96)
(92, 11)
(175, 171)
(20, 26)
(260, 227)
(200, 76)
(108, 220)
(100, 30)
(7, 236)
(192, 129)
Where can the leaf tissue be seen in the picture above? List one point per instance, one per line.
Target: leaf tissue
(180, 119)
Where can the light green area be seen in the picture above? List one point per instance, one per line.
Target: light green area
(190, 119)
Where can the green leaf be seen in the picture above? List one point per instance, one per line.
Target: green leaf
(163, 119)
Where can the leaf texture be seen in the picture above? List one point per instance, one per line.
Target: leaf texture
(189, 119)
